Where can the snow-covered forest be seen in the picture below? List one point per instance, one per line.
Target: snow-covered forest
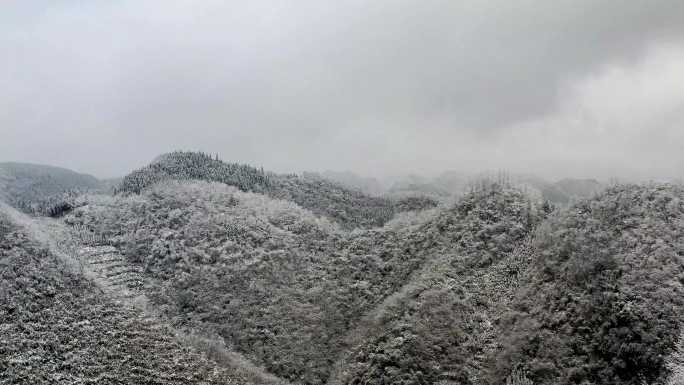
(256, 277)
(321, 192)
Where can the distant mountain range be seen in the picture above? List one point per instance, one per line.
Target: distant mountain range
(193, 270)
(451, 184)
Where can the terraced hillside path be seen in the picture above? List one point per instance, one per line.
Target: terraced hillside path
(112, 271)
(103, 265)
(122, 282)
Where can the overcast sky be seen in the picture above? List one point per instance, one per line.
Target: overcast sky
(558, 88)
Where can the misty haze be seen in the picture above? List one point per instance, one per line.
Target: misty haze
(342, 192)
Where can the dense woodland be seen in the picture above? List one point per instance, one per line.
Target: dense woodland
(319, 283)
(347, 206)
(603, 299)
(43, 190)
(56, 327)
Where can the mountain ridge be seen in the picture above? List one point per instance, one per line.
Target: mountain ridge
(434, 294)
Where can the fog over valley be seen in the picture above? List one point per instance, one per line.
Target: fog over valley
(300, 192)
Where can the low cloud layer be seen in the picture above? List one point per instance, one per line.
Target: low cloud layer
(565, 88)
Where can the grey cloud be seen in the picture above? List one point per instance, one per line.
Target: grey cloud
(378, 87)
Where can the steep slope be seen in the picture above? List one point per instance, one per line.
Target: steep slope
(56, 327)
(491, 290)
(273, 280)
(41, 189)
(323, 197)
(288, 288)
(350, 208)
(438, 327)
(603, 301)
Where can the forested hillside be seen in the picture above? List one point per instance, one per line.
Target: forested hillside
(603, 300)
(275, 281)
(453, 184)
(256, 270)
(439, 327)
(43, 190)
(57, 327)
(354, 192)
(318, 284)
(194, 165)
(447, 295)
(348, 207)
